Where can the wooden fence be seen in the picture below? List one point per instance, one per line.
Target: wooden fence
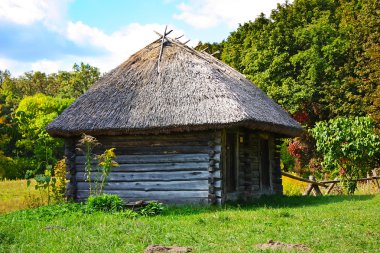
(329, 185)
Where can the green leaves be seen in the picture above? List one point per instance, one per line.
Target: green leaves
(32, 116)
(348, 146)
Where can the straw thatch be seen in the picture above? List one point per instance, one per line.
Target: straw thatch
(191, 91)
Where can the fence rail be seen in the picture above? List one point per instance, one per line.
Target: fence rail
(329, 184)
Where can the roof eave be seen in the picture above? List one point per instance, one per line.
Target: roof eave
(279, 130)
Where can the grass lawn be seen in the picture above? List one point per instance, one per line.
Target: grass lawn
(324, 224)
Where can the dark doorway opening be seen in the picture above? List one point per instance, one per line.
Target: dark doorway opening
(264, 168)
(231, 162)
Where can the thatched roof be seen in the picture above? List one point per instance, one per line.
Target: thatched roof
(191, 91)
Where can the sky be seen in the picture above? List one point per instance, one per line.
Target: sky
(52, 35)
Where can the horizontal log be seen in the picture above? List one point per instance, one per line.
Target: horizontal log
(155, 150)
(303, 179)
(216, 174)
(196, 136)
(202, 166)
(172, 158)
(151, 195)
(149, 176)
(200, 201)
(360, 179)
(152, 143)
(152, 186)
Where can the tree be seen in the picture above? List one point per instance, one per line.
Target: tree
(35, 144)
(80, 80)
(348, 146)
(216, 49)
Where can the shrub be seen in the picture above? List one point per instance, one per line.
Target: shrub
(348, 147)
(59, 181)
(104, 203)
(128, 213)
(152, 209)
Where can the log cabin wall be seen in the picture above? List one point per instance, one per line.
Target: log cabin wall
(173, 168)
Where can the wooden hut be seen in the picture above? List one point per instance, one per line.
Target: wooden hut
(187, 128)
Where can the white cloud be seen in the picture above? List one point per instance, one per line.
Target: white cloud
(25, 12)
(48, 66)
(203, 14)
(126, 40)
(114, 47)
(118, 45)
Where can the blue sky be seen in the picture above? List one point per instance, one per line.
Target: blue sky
(52, 35)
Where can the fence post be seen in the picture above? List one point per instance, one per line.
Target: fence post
(317, 191)
(312, 186)
(374, 173)
(331, 186)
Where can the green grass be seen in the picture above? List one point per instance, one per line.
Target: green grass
(325, 224)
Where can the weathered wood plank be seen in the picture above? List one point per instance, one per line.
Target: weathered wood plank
(180, 201)
(125, 148)
(153, 143)
(150, 176)
(218, 184)
(153, 186)
(172, 158)
(154, 167)
(155, 150)
(151, 195)
(180, 137)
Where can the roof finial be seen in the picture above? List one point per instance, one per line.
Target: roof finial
(162, 48)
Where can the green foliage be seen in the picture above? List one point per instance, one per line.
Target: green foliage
(314, 56)
(287, 160)
(23, 148)
(127, 213)
(216, 49)
(5, 163)
(32, 116)
(348, 146)
(47, 184)
(152, 208)
(104, 203)
(78, 81)
(59, 186)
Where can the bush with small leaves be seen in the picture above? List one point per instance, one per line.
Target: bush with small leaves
(152, 209)
(104, 203)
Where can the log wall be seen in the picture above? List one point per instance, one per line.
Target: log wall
(177, 168)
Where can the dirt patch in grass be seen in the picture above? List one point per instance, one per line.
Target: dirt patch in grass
(172, 249)
(282, 246)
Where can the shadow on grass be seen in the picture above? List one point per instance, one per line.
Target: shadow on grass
(267, 202)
